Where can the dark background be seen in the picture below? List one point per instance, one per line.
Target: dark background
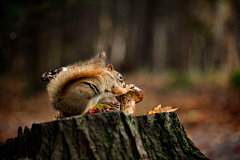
(181, 53)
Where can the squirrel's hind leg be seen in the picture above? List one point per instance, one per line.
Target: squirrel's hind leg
(78, 98)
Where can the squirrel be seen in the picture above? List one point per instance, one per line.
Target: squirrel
(80, 86)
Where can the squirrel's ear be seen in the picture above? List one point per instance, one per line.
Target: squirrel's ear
(110, 67)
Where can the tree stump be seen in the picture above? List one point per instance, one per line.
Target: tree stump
(103, 136)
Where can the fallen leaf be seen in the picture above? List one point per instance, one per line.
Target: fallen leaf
(159, 109)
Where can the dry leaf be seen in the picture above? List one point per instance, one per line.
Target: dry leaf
(159, 109)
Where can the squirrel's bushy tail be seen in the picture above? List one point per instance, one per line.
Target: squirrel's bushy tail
(91, 68)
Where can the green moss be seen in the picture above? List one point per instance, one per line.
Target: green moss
(235, 79)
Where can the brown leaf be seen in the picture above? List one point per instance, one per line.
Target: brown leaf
(158, 109)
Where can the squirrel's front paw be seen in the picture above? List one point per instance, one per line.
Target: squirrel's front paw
(130, 87)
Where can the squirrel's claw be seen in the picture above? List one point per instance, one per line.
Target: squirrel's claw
(131, 87)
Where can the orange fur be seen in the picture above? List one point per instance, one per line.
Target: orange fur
(97, 72)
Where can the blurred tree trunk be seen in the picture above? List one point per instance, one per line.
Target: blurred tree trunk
(83, 28)
(236, 6)
(119, 12)
(149, 34)
(136, 41)
(31, 50)
(178, 39)
(160, 39)
(2, 28)
(112, 135)
(50, 40)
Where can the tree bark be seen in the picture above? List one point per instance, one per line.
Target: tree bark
(111, 135)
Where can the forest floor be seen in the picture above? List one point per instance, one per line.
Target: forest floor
(209, 109)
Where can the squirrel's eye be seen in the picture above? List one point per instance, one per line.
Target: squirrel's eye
(120, 76)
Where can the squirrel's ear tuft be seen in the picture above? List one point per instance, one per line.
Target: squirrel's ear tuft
(102, 54)
(110, 67)
(101, 58)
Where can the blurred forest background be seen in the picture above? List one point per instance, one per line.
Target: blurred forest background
(181, 53)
